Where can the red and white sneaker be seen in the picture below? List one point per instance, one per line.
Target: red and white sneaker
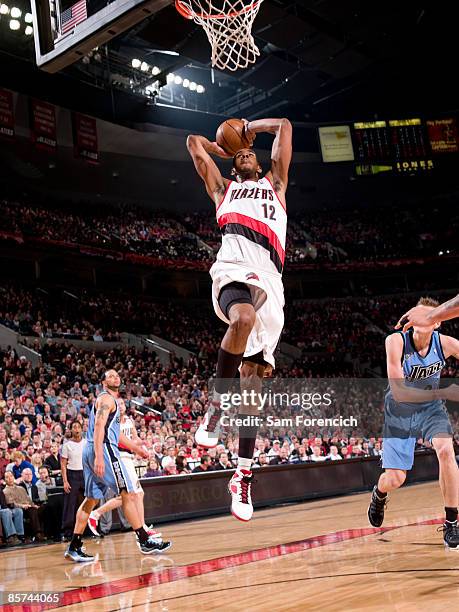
(240, 490)
(209, 430)
(93, 524)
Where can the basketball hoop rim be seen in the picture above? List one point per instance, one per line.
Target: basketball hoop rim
(185, 12)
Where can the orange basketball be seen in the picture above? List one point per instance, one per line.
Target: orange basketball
(230, 136)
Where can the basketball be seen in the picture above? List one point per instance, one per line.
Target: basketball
(230, 136)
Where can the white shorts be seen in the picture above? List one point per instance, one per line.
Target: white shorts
(128, 463)
(267, 293)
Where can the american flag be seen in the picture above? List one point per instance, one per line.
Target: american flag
(72, 16)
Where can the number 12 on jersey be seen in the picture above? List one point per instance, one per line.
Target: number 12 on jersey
(269, 210)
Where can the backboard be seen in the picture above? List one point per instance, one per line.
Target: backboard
(66, 30)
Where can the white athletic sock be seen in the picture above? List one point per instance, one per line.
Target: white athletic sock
(244, 464)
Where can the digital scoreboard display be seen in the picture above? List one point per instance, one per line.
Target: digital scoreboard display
(397, 139)
(371, 141)
(407, 138)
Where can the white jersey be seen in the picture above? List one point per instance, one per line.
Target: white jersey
(127, 428)
(253, 221)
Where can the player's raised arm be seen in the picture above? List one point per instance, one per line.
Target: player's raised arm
(104, 406)
(200, 150)
(281, 152)
(423, 317)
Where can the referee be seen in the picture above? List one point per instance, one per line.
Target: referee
(72, 476)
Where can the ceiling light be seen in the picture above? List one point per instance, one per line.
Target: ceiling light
(136, 63)
(170, 77)
(144, 67)
(14, 24)
(155, 70)
(4, 9)
(186, 83)
(28, 18)
(200, 89)
(28, 30)
(193, 86)
(15, 12)
(178, 80)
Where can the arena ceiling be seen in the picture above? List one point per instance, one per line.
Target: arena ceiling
(321, 60)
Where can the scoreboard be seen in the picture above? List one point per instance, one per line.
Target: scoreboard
(400, 142)
(393, 140)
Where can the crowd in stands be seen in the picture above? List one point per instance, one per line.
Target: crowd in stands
(363, 234)
(341, 337)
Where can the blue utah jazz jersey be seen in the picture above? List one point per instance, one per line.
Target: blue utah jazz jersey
(417, 369)
(112, 426)
(421, 372)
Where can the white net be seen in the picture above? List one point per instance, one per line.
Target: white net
(228, 25)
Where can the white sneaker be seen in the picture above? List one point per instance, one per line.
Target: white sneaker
(209, 430)
(239, 488)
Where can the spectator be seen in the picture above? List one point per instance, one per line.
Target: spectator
(194, 460)
(37, 462)
(281, 458)
(27, 484)
(223, 462)
(205, 466)
(182, 465)
(261, 461)
(345, 453)
(44, 483)
(19, 465)
(153, 469)
(316, 454)
(16, 496)
(169, 466)
(275, 450)
(52, 461)
(12, 521)
(300, 456)
(334, 454)
(4, 461)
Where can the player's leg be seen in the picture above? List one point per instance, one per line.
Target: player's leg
(147, 543)
(94, 490)
(449, 484)
(235, 301)
(128, 464)
(74, 550)
(126, 484)
(111, 504)
(397, 459)
(240, 484)
(389, 480)
(436, 428)
(259, 357)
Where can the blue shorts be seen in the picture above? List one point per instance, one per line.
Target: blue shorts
(116, 476)
(403, 425)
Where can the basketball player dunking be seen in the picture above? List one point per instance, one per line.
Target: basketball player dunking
(104, 470)
(247, 288)
(413, 409)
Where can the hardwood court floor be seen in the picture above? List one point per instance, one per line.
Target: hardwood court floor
(322, 555)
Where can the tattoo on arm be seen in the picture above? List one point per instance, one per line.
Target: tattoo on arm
(103, 410)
